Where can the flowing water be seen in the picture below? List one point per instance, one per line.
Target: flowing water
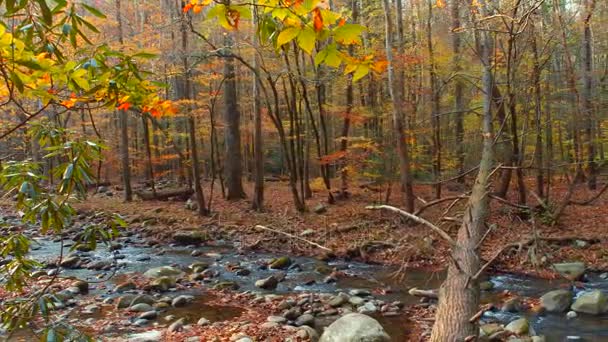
(305, 279)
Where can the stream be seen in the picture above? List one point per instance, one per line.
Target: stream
(132, 258)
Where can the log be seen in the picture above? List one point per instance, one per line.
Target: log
(434, 294)
(182, 194)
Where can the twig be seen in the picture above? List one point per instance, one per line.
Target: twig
(589, 201)
(479, 313)
(293, 237)
(438, 201)
(415, 218)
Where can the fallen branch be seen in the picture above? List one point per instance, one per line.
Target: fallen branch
(514, 205)
(415, 218)
(183, 194)
(589, 201)
(293, 237)
(479, 313)
(416, 292)
(438, 201)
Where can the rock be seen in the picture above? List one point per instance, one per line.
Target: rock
(519, 326)
(571, 315)
(581, 244)
(486, 285)
(323, 269)
(359, 292)
(269, 283)
(126, 286)
(141, 307)
(176, 326)
(604, 276)
(356, 301)
(593, 303)
(196, 276)
(148, 315)
(163, 271)
(161, 305)
(539, 339)
(198, 266)
(189, 237)
(70, 261)
(512, 305)
(355, 327)
(162, 283)
(320, 208)
(276, 319)
(306, 332)
(490, 329)
(148, 336)
(91, 309)
(226, 285)
(367, 308)
(570, 270)
(181, 300)
(82, 285)
(114, 246)
(203, 322)
(556, 301)
(143, 258)
(292, 313)
(305, 319)
(280, 263)
(338, 300)
(191, 205)
(125, 301)
(37, 274)
(147, 299)
(100, 265)
(196, 252)
(269, 325)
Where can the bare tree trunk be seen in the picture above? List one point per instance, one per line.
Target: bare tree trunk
(538, 150)
(588, 94)
(258, 149)
(124, 126)
(396, 95)
(459, 294)
(458, 89)
(149, 166)
(435, 120)
(232, 135)
(191, 123)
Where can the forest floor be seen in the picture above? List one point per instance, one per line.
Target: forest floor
(353, 232)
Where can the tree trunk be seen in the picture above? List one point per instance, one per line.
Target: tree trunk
(396, 95)
(232, 135)
(124, 126)
(435, 98)
(459, 294)
(538, 150)
(588, 94)
(258, 149)
(458, 90)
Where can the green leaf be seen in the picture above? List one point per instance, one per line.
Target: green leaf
(320, 57)
(349, 34)
(145, 55)
(94, 11)
(306, 39)
(287, 35)
(47, 16)
(360, 72)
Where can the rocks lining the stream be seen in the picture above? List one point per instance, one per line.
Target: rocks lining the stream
(269, 283)
(570, 270)
(592, 302)
(355, 327)
(556, 301)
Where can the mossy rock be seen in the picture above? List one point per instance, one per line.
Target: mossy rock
(280, 263)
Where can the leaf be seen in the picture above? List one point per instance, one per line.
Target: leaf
(47, 16)
(306, 39)
(145, 55)
(349, 34)
(317, 19)
(320, 57)
(94, 11)
(287, 35)
(362, 71)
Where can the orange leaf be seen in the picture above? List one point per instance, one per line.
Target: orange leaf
(197, 9)
(317, 20)
(124, 106)
(187, 8)
(342, 22)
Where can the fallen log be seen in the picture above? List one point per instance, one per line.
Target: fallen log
(434, 294)
(163, 195)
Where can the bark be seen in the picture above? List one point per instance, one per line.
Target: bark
(459, 294)
(587, 94)
(458, 90)
(232, 136)
(124, 126)
(149, 166)
(164, 195)
(396, 96)
(435, 102)
(258, 149)
(538, 150)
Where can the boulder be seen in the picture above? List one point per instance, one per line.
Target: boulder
(519, 326)
(162, 283)
(355, 327)
(181, 301)
(570, 270)
(148, 336)
(141, 307)
(226, 285)
(125, 301)
(320, 208)
(593, 303)
(163, 271)
(269, 283)
(305, 319)
(147, 299)
(556, 301)
(126, 286)
(176, 326)
(338, 300)
(70, 261)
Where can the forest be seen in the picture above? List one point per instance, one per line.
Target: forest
(303, 170)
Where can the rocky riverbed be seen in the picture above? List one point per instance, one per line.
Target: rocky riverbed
(140, 289)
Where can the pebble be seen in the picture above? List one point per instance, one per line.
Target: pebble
(148, 315)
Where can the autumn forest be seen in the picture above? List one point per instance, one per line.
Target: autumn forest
(303, 170)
